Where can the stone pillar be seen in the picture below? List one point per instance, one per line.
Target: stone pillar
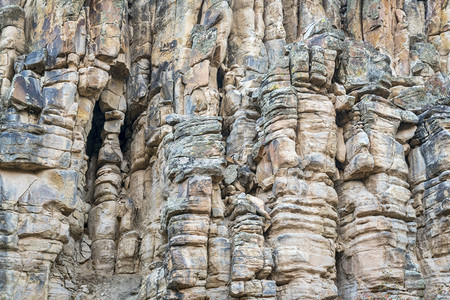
(103, 223)
(12, 39)
(195, 160)
(251, 261)
(429, 181)
(295, 156)
(376, 220)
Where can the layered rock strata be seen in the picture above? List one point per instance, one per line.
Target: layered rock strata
(216, 149)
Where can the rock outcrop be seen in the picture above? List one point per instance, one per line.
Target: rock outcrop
(220, 149)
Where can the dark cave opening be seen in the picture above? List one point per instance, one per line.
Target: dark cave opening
(220, 78)
(93, 145)
(94, 139)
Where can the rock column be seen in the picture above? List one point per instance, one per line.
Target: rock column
(194, 167)
(12, 42)
(429, 179)
(376, 218)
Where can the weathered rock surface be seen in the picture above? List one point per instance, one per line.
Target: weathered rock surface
(217, 149)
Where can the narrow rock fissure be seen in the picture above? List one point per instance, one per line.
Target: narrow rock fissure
(93, 145)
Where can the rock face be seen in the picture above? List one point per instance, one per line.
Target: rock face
(217, 149)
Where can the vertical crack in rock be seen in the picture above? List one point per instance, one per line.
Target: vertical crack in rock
(217, 149)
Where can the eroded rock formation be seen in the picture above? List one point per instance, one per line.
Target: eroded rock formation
(217, 149)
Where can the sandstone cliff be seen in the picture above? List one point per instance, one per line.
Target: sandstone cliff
(224, 149)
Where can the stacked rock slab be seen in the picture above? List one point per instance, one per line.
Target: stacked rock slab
(217, 149)
(376, 215)
(36, 133)
(296, 168)
(429, 181)
(194, 168)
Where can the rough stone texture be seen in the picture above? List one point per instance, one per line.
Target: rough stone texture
(217, 149)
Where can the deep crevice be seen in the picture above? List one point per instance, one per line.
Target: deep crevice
(220, 78)
(94, 139)
(93, 145)
(200, 13)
